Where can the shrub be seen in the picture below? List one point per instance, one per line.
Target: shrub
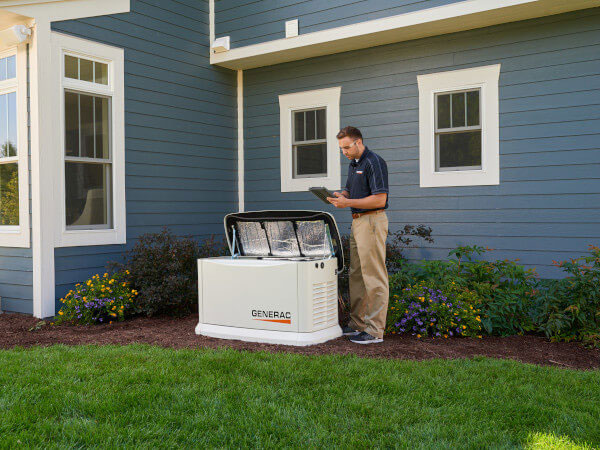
(163, 268)
(570, 308)
(505, 290)
(423, 310)
(99, 300)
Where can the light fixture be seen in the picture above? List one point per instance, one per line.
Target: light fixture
(15, 35)
(221, 44)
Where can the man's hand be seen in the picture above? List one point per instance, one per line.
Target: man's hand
(340, 201)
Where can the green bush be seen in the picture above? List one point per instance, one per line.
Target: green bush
(423, 310)
(504, 289)
(98, 300)
(570, 308)
(163, 268)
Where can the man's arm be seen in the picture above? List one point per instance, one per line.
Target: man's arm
(371, 202)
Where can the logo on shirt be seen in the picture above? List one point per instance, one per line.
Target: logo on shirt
(359, 172)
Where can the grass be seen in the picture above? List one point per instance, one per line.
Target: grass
(144, 396)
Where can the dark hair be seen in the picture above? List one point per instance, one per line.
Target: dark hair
(349, 132)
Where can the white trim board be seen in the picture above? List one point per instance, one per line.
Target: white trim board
(459, 16)
(50, 11)
(485, 79)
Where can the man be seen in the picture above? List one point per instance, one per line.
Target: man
(366, 193)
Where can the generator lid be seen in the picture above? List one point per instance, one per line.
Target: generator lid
(284, 234)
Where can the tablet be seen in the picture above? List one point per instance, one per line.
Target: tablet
(322, 193)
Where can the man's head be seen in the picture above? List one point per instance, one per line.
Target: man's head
(350, 142)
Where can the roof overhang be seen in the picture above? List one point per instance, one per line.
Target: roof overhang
(14, 12)
(450, 18)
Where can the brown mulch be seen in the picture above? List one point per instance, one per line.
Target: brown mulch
(179, 333)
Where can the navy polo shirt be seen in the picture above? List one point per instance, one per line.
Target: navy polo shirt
(367, 176)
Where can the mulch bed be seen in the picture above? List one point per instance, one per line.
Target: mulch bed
(179, 333)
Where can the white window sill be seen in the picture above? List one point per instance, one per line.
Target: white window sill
(77, 238)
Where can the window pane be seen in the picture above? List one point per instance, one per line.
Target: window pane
(102, 139)
(11, 67)
(8, 124)
(8, 68)
(459, 150)
(88, 199)
(299, 126)
(86, 70)
(101, 73)
(443, 111)
(321, 124)
(473, 108)
(9, 194)
(310, 125)
(71, 67)
(71, 124)
(458, 110)
(310, 160)
(86, 121)
(11, 145)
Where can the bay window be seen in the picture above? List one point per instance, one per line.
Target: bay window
(14, 211)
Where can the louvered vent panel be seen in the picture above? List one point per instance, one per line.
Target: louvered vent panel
(324, 304)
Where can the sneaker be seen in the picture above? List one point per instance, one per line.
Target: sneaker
(349, 331)
(365, 338)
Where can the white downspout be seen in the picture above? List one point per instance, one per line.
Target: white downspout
(240, 128)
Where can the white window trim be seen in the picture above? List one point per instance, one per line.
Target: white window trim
(114, 57)
(288, 103)
(19, 235)
(486, 79)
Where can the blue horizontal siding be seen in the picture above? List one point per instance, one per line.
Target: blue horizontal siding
(253, 22)
(16, 280)
(547, 205)
(180, 128)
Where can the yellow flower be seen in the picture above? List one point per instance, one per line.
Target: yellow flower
(464, 327)
(113, 314)
(127, 272)
(60, 313)
(418, 335)
(110, 322)
(445, 336)
(84, 299)
(105, 275)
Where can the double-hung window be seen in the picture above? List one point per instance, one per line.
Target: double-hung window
(93, 198)
(14, 211)
(309, 152)
(458, 127)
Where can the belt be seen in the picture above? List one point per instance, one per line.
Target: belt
(357, 215)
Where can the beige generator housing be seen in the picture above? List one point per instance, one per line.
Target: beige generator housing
(279, 285)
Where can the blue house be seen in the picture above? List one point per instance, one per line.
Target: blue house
(120, 117)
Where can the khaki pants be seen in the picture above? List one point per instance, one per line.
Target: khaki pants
(369, 284)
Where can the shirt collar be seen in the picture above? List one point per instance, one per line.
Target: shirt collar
(364, 155)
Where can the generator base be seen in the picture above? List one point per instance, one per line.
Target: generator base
(269, 336)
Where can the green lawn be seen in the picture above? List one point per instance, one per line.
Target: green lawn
(145, 396)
